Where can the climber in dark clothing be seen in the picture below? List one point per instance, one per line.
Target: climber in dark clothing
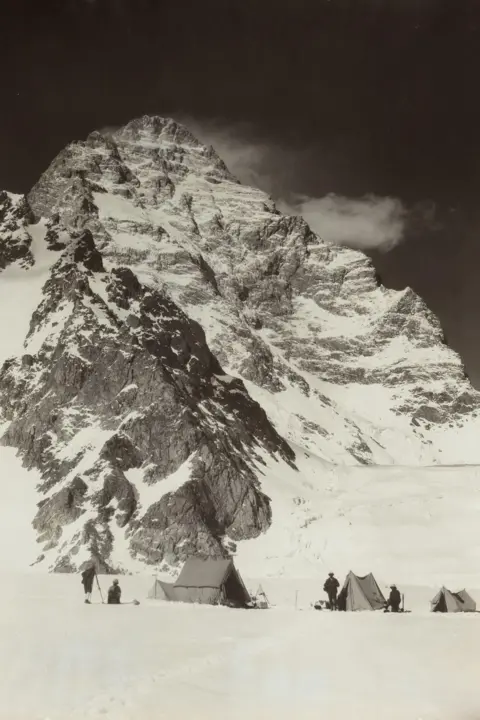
(87, 581)
(114, 594)
(394, 599)
(331, 588)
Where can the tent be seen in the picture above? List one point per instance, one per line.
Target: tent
(360, 593)
(211, 581)
(446, 601)
(162, 591)
(469, 604)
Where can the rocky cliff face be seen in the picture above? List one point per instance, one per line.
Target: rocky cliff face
(186, 327)
(15, 241)
(116, 377)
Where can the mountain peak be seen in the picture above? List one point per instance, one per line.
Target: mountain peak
(150, 127)
(150, 152)
(189, 334)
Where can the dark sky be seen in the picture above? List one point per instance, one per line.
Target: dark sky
(367, 96)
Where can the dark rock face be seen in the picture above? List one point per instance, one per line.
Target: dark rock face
(177, 410)
(60, 509)
(15, 241)
(84, 251)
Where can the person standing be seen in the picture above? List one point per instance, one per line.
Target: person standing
(87, 581)
(394, 599)
(331, 588)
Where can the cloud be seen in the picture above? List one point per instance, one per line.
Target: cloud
(260, 164)
(366, 223)
(109, 130)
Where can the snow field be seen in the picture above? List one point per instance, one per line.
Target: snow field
(156, 659)
(63, 659)
(18, 546)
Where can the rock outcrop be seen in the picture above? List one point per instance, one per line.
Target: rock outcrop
(15, 241)
(105, 354)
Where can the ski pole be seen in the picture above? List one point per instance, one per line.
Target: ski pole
(99, 588)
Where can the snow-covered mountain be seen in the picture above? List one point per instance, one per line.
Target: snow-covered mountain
(168, 333)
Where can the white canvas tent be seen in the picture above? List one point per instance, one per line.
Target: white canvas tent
(360, 593)
(447, 601)
(211, 581)
(161, 590)
(204, 580)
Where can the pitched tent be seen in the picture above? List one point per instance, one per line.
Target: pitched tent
(360, 593)
(469, 604)
(162, 591)
(211, 581)
(446, 601)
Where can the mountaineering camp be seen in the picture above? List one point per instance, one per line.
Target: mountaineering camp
(216, 581)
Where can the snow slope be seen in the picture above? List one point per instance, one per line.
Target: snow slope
(21, 293)
(416, 526)
(405, 524)
(18, 546)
